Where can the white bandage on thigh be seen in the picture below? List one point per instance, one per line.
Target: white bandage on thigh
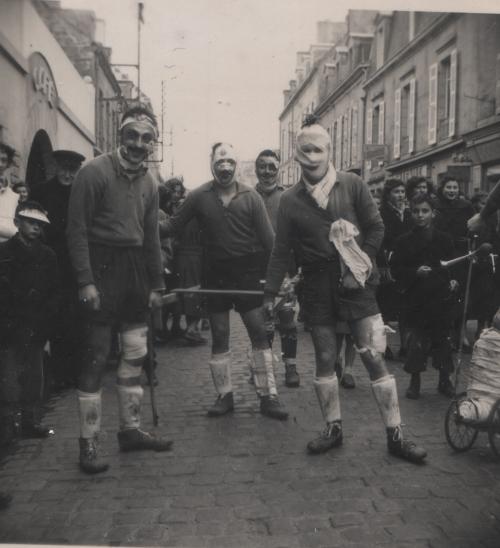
(263, 371)
(327, 392)
(134, 343)
(129, 405)
(377, 334)
(386, 396)
(220, 367)
(90, 409)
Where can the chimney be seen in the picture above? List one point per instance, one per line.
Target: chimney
(286, 97)
(293, 85)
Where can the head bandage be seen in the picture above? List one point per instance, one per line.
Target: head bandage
(224, 151)
(315, 135)
(143, 120)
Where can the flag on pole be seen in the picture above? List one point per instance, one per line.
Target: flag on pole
(141, 8)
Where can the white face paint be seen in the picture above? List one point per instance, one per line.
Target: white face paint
(137, 141)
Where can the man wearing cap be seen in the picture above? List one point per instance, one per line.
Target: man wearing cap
(238, 237)
(267, 166)
(114, 246)
(29, 287)
(8, 198)
(65, 351)
(333, 226)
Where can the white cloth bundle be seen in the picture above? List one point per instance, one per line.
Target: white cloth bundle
(342, 235)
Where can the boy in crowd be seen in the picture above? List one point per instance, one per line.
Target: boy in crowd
(29, 290)
(429, 294)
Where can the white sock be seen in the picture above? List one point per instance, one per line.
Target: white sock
(220, 367)
(90, 410)
(327, 392)
(129, 400)
(386, 396)
(263, 372)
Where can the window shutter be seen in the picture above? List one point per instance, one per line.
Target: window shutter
(348, 137)
(381, 121)
(354, 135)
(453, 93)
(369, 121)
(432, 133)
(497, 97)
(411, 117)
(338, 155)
(397, 123)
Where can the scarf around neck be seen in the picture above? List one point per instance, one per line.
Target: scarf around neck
(320, 192)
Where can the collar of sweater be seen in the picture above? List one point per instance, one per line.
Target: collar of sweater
(320, 191)
(263, 189)
(130, 170)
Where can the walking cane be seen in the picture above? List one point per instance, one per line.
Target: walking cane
(463, 327)
(150, 370)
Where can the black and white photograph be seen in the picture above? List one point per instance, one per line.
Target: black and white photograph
(250, 273)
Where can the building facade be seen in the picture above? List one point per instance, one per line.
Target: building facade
(44, 104)
(432, 105)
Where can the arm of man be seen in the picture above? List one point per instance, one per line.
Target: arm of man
(263, 224)
(83, 201)
(280, 255)
(370, 221)
(152, 249)
(174, 224)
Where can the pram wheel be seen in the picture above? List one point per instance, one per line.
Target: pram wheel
(460, 435)
(494, 429)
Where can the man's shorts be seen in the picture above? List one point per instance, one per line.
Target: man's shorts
(245, 273)
(122, 282)
(326, 303)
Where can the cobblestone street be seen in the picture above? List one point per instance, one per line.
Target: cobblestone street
(246, 481)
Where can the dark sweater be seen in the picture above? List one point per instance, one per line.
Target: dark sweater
(108, 208)
(241, 228)
(304, 227)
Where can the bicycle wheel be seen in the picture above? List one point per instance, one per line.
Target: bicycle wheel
(494, 429)
(460, 435)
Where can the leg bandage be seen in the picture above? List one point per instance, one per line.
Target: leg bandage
(129, 404)
(386, 396)
(90, 409)
(220, 367)
(376, 332)
(327, 392)
(130, 392)
(134, 343)
(263, 372)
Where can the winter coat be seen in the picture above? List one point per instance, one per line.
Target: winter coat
(29, 288)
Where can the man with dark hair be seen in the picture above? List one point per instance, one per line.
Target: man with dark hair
(267, 166)
(114, 247)
(238, 238)
(54, 195)
(334, 228)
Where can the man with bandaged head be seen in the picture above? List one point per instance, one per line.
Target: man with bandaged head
(237, 237)
(332, 224)
(114, 247)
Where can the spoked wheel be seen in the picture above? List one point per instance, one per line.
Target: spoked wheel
(494, 429)
(460, 435)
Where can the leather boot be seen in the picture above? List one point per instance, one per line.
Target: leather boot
(223, 404)
(90, 462)
(270, 407)
(134, 439)
(328, 439)
(292, 379)
(413, 392)
(402, 448)
(445, 386)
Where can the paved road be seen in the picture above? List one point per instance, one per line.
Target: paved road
(246, 481)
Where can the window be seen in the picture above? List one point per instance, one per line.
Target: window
(442, 98)
(354, 135)
(375, 123)
(334, 142)
(404, 119)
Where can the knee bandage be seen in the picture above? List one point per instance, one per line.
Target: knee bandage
(327, 392)
(134, 343)
(386, 396)
(377, 336)
(220, 367)
(90, 409)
